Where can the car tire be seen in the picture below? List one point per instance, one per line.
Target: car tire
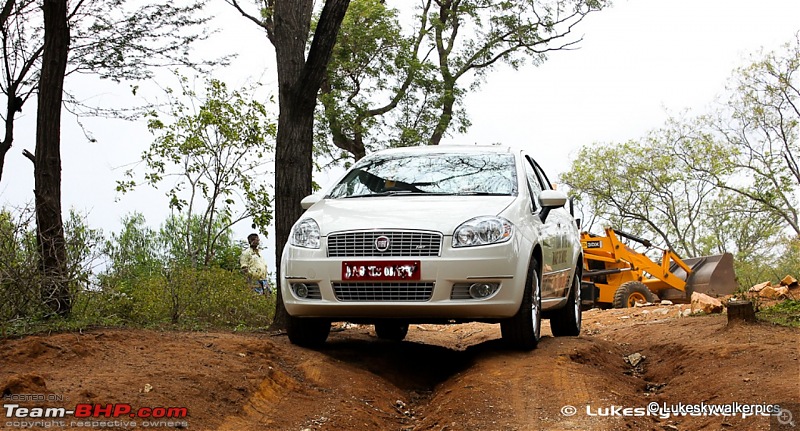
(391, 331)
(523, 330)
(307, 332)
(566, 322)
(631, 292)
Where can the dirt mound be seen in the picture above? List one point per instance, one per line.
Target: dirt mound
(29, 383)
(441, 378)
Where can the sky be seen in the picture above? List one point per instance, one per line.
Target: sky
(639, 62)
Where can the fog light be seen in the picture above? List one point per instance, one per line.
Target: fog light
(300, 289)
(482, 290)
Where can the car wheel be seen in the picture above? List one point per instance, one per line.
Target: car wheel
(308, 332)
(391, 330)
(567, 320)
(523, 330)
(632, 292)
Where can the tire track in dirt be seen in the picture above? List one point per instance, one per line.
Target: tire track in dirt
(311, 390)
(476, 382)
(527, 390)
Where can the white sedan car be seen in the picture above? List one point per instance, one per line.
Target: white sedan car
(435, 234)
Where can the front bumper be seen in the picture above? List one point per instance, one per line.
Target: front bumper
(499, 263)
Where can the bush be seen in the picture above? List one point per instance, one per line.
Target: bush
(19, 276)
(789, 261)
(154, 278)
(783, 260)
(786, 313)
(187, 297)
(143, 283)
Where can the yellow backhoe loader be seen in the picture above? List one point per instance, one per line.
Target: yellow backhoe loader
(617, 275)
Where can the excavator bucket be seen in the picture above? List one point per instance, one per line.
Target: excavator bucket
(712, 275)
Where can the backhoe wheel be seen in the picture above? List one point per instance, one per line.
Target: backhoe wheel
(632, 292)
(308, 332)
(523, 330)
(391, 331)
(567, 320)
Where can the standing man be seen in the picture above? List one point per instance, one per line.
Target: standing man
(254, 267)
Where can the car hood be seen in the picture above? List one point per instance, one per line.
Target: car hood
(437, 213)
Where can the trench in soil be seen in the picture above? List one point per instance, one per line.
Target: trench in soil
(436, 383)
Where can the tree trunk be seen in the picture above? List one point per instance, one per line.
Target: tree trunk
(11, 92)
(293, 167)
(299, 81)
(47, 161)
(13, 106)
(443, 48)
(446, 117)
(740, 311)
(354, 145)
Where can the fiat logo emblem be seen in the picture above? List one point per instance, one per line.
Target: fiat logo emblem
(382, 243)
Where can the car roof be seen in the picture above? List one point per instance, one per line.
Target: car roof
(422, 149)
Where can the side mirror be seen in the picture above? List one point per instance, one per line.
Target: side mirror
(550, 199)
(309, 200)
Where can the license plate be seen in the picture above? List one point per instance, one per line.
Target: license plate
(381, 270)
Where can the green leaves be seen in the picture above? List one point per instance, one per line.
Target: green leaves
(119, 40)
(213, 148)
(389, 85)
(727, 181)
(761, 122)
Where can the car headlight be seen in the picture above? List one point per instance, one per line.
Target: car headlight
(305, 234)
(482, 231)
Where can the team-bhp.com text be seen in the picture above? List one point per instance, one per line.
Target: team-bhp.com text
(95, 411)
(91, 414)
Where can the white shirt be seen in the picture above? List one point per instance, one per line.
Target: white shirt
(252, 262)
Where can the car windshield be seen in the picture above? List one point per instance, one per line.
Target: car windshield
(469, 173)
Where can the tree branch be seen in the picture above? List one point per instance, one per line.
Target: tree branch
(6, 12)
(266, 24)
(321, 49)
(30, 156)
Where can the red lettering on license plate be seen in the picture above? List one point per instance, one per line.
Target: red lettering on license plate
(382, 270)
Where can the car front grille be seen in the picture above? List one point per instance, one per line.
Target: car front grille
(391, 292)
(401, 243)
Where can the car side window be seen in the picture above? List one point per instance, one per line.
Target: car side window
(533, 184)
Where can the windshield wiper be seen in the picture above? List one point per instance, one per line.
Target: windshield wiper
(476, 193)
(410, 192)
(387, 193)
(416, 193)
